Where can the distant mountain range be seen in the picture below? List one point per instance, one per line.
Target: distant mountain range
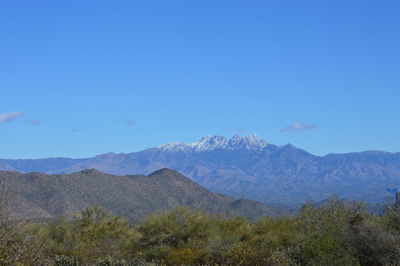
(37, 195)
(248, 166)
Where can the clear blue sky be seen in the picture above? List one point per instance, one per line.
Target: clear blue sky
(119, 76)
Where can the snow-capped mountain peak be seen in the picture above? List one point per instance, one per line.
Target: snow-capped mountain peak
(218, 142)
(247, 142)
(208, 143)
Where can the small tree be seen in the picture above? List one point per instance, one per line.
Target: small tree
(92, 234)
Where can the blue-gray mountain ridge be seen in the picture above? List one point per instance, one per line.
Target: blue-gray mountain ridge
(247, 166)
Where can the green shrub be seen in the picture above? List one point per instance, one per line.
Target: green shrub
(94, 233)
(333, 233)
(175, 228)
(62, 260)
(183, 256)
(257, 255)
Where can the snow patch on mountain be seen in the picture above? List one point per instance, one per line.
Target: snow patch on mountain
(175, 146)
(218, 142)
(209, 143)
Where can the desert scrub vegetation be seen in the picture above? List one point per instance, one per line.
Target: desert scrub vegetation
(332, 233)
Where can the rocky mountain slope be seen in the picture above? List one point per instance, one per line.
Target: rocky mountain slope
(133, 196)
(248, 167)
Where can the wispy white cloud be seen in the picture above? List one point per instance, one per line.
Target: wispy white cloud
(298, 127)
(10, 117)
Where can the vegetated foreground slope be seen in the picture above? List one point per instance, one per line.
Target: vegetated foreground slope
(133, 196)
(248, 167)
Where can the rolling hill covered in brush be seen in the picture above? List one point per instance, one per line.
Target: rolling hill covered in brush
(34, 195)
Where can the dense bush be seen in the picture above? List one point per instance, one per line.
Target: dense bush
(332, 233)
